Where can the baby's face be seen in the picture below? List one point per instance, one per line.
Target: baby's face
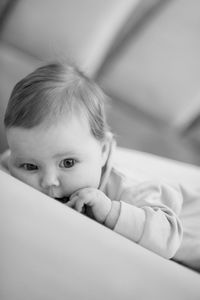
(58, 159)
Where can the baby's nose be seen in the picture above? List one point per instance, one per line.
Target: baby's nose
(49, 179)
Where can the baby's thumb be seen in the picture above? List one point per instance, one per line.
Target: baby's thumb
(72, 201)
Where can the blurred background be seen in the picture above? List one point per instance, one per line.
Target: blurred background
(145, 54)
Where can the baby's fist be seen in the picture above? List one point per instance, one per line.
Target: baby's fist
(95, 199)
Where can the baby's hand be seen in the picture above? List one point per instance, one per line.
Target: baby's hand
(96, 200)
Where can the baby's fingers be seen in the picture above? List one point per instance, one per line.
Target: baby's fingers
(76, 203)
(71, 202)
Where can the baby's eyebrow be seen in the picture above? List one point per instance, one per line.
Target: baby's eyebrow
(17, 158)
(66, 154)
(20, 159)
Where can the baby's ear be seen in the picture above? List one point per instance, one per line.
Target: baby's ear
(106, 148)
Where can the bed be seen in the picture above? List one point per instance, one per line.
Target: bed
(49, 251)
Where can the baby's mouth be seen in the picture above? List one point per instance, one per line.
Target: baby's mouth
(62, 199)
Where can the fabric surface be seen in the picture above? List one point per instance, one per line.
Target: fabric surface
(124, 184)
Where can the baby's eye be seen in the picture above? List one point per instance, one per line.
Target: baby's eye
(67, 163)
(29, 167)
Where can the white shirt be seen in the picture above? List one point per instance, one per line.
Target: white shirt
(159, 216)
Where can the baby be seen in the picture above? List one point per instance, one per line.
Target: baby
(60, 144)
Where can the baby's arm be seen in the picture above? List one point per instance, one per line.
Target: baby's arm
(146, 214)
(149, 216)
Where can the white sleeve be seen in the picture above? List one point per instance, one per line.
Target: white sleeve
(149, 216)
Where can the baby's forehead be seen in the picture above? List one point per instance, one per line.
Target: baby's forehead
(41, 153)
(68, 135)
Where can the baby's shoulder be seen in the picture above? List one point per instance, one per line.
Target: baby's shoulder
(4, 158)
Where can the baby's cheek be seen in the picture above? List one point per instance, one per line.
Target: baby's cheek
(69, 185)
(26, 178)
(16, 173)
(81, 179)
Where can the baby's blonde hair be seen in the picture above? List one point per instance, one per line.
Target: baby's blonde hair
(52, 91)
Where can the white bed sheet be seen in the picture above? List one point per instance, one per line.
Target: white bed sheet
(48, 251)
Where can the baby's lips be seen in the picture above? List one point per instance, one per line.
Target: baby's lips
(62, 199)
